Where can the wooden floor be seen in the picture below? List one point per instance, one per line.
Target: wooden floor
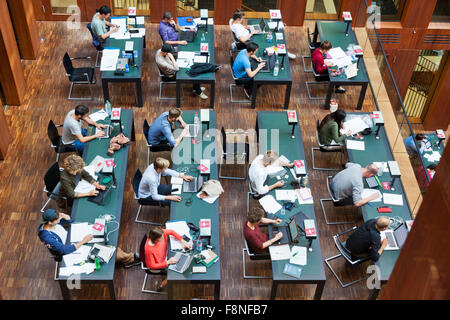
(26, 271)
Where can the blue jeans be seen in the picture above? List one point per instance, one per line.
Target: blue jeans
(163, 189)
(79, 146)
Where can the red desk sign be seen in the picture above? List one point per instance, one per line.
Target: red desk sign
(110, 162)
(97, 226)
(203, 168)
(132, 11)
(310, 232)
(375, 116)
(299, 163)
(204, 223)
(386, 186)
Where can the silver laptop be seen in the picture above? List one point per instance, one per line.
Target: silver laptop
(192, 131)
(184, 261)
(194, 185)
(396, 238)
(107, 131)
(259, 28)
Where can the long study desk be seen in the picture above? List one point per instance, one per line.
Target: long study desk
(198, 209)
(313, 272)
(380, 151)
(267, 78)
(435, 147)
(87, 211)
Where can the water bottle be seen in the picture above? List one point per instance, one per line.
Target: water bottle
(282, 213)
(97, 264)
(203, 37)
(198, 245)
(196, 123)
(269, 36)
(276, 69)
(127, 68)
(108, 108)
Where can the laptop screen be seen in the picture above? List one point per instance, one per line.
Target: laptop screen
(262, 24)
(293, 229)
(400, 235)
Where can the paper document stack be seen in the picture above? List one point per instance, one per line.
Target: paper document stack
(299, 255)
(355, 125)
(368, 192)
(280, 252)
(105, 252)
(77, 256)
(109, 59)
(181, 228)
(269, 204)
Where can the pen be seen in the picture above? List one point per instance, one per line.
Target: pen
(370, 205)
(378, 180)
(295, 254)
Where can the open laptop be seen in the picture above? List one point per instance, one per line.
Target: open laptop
(267, 67)
(184, 261)
(290, 232)
(396, 238)
(259, 28)
(189, 36)
(193, 186)
(192, 131)
(107, 131)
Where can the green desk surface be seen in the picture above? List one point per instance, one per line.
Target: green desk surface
(260, 39)
(434, 141)
(380, 151)
(135, 72)
(86, 211)
(195, 46)
(199, 209)
(334, 32)
(293, 150)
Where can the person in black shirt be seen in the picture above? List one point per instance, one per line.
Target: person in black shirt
(366, 239)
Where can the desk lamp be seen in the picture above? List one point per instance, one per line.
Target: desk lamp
(348, 19)
(378, 120)
(395, 172)
(292, 120)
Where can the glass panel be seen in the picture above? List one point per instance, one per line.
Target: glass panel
(259, 5)
(441, 11)
(60, 6)
(391, 10)
(121, 6)
(192, 7)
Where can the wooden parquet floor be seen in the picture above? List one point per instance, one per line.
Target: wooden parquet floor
(26, 271)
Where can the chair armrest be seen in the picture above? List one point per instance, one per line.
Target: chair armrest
(81, 58)
(347, 231)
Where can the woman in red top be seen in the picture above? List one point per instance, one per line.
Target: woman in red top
(256, 240)
(320, 65)
(156, 250)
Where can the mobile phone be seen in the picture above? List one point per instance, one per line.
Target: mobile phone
(186, 238)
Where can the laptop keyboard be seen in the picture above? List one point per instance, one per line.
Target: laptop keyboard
(181, 262)
(390, 239)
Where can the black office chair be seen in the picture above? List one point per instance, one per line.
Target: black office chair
(147, 270)
(58, 258)
(52, 184)
(237, 45)
(312, 46)
(345, 253)
(237, 82)
(163, 81)
(153, 148)
(336, 202)
(253, 256)
(96, 43)
(79, 75)
(234, 150)
(326, 148)
(142, 202)
(252, 193)
(56, 141)
(319, 81)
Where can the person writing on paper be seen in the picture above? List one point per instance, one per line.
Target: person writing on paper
(321, 65)
(72, 132)
(411, 146)
(100, 23)
(257, 241)
(330, 126)
(73, 168)
(51, 232)
(156, 250)
(168, 30)
(242, 68)
(366, 240)
(242, 33)
(169, 67)
(424, 177)
(150, 187)
(348, 186)
(160, 132)
(258, 172)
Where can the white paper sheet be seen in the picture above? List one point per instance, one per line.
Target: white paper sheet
(281, 252)
(109, 59)
(186, 55)
(355, 125)
(368, 192)
(300, 257)
(269, 204)
(382, 165)
(78, 231)
(99, 115)
(121, 22)
(184, 63)
(105, 252)
(337, 53)
(209, 199)
(77, 256)
(285, 195)
(84, 187)
(355, 145)
(393, 199)
(200, 59)
(91, 171)
(181, 228)
(176, 180)
(140, 20)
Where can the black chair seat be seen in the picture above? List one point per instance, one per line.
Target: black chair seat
(160, 147)
(148, 202)
(78, 74)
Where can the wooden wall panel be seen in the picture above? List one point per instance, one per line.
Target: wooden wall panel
(92, 5)
(223, 10)
(293, 11)
(402, 64)
(157, 8)
(422, 271)
(417, 14)
(4, 135)
(38, 10)
(22, 15)
(11, 75)
(358, 10)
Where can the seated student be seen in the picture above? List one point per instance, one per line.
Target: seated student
(156, 250)
(51, 232)
(168, 30)
(320, 65)
(160, 132)
(421, 175)
(330, 126)
(257, 173)
(410, 144)
(242, 33)
(367, 240)
(73, 168)
(100, 23)
(150, 187)
(257, 241)
(72, 131)
(169, 67)
(242, 69)
(347, 185)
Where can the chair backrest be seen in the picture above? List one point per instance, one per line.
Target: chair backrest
(95, 41)
(250, 188)
(142, 251)
(52, 177)
(342, 249)
(53, 135)
(53, 254)
(317, 134)
(136, 181)
(145, 129)
(224, 140)
(249, 252)
(333, 197)
(308, 36)
(67, 64)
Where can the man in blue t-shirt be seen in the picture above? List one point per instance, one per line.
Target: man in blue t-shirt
(242, 67)
(160, 131)
(410, 144)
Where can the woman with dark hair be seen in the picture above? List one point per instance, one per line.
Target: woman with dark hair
(321, 66)
(100, 23)
(330, 126)
(257, 241)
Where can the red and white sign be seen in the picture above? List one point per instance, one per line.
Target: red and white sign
(97, 226)
(203, 168)
(132, 11)
(375, 116)
(440, 134)
(299, 163)
(310, 232)
(347, 16)
(116, 113)
(275, 14)
(204, 223)
(386, 185)
(204, 47)
(109, 163)
(291, 115)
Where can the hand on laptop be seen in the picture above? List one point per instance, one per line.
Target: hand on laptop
(384, 243)
(278, 236)
(101, 187)
(260, 66)
(185, 245)
(100, 126)
(174, 198)
(172, 260)
(99, 134)
(93, 193)
(185, 177)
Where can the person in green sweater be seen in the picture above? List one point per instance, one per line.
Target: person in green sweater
(330, 126)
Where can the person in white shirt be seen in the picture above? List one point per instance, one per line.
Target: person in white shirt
(258, 172)
(242, 33)
(150, 187)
